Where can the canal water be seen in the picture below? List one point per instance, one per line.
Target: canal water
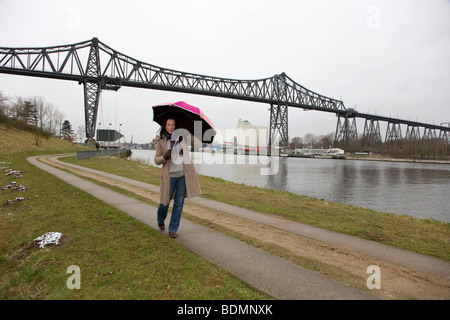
(415, 189)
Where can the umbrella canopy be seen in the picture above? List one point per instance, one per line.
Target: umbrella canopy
(185, 117)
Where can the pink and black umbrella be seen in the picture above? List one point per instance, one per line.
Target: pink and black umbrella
(186, 117)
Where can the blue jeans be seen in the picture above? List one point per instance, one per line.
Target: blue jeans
(177, 186)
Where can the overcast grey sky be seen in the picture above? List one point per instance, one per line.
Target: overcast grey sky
(385, 57)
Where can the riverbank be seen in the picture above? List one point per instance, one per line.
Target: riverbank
(103, 240)
(333, 261)
(339, 262)
(119, 257)
(379, 157)
(387, 228)
(416, 190)
(373, 157)
(349, 156)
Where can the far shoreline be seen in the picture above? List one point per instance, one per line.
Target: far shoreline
(389, 159)
(374, 158)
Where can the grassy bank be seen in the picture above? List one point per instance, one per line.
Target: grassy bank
(421, 235)
(118, 257)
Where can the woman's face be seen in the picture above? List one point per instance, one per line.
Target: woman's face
(170, 126)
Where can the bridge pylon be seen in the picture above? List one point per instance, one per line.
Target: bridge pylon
(279, 113)
(92, 89)
(371, 134)
(346, 131)
(94, 82)
(444, 137)
(429, 133)
(412, 133)
(393, 132)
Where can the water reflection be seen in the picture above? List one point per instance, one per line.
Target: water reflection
(419, 190)
(279, 180)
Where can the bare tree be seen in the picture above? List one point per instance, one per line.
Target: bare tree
(59, 116)
(41, 111)
(17, 109)
(52, 115)
(327, 140)
(296, 142)
(310, 140)
(34, 111)
(4, 108)
(81, 132)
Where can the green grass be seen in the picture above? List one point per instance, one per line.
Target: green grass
(421, 235)
(118, 256)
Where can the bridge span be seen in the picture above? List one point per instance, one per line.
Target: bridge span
(99, 67)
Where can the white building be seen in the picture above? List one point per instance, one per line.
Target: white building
(250, 135)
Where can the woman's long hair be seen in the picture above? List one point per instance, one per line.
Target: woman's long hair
(162, 130)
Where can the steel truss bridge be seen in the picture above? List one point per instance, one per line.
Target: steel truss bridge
(98, 67)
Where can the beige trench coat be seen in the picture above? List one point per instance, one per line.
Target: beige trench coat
(192, 185)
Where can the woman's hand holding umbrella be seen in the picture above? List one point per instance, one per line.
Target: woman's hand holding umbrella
(168, 154)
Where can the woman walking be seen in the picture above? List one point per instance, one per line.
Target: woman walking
(178, 176)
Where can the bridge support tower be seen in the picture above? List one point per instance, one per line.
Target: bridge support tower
(92, 90)
(429, 133)
(412, 133)
(444, 137)
(371, 133)
(279, 114)
(93, 84)
(345, 130)
(393, 132)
